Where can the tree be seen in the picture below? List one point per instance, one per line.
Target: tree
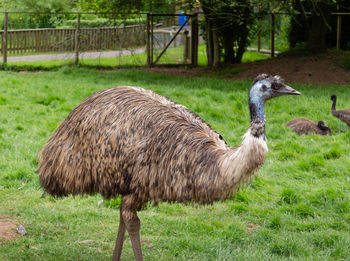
(106, 6)
(39, 12)
(211, 35)
(228, 24)
(317, 24)
(128, 7)
(311, 22)
(52, 6)
(234, 26)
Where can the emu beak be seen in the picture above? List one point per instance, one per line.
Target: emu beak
(288, 90)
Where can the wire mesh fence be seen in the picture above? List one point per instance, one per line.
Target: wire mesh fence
(114, 40)
(279, 25)
(48, 36)
(111, 39)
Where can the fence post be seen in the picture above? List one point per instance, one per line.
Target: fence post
(186, 46)
(77, 40)
(272, 35)
(151, 44)
(4, 39)
(147, 42)
(259, 38)
(259, 27)
(338, 31)
(194, 40)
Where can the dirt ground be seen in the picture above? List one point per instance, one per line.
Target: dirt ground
(321, 70)
(7, 229)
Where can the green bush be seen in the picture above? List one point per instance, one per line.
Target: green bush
(101, 22)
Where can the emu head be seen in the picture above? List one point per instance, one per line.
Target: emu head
(333, 97)
(267, 86)
(323, 126)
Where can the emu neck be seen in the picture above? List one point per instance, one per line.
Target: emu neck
(334, 103)
(257, 116)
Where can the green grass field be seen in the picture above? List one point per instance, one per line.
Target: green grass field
(171, 56)
(298, 208)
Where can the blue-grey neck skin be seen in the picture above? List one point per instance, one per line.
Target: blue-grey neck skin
(257, 113)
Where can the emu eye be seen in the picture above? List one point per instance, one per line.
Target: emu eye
(275, 86)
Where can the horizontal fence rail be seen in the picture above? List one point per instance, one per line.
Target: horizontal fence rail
(63, 40)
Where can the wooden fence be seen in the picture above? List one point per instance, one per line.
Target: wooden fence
(63, 40)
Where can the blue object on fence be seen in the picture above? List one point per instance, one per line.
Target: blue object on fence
(182, 19)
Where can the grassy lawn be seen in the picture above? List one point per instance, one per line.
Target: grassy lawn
(298, 208)
(172, 56)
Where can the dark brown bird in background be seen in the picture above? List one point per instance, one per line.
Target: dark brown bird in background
(306, 126)
(343, 115)
(135, 143)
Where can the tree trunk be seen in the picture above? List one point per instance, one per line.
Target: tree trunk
(242, 43)
(225, 23)
(212, 41)
(229, 55)
(209, 43)
(216, 49)
(316, 42)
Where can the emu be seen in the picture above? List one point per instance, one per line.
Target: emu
(343, 115)
(306, 126)
(135, 143)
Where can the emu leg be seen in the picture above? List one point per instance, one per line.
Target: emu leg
(128, 209)
(120, 238)
(133, 227)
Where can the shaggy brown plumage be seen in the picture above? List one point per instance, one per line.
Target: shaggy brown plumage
(98, 149)
(306, 126)
(133, 142)
(343, 115)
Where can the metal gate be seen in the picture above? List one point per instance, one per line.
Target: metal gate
(172, 37)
